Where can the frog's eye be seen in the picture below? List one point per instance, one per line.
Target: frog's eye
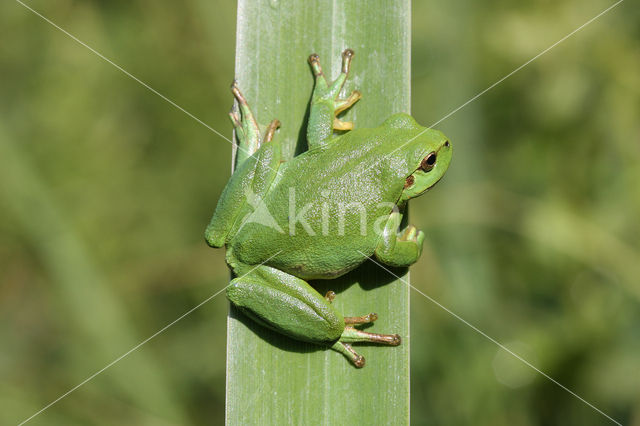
(428, 162)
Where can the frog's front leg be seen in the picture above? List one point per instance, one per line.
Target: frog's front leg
(325, 105)
(290, 306)
(399, 248)
(250, 183)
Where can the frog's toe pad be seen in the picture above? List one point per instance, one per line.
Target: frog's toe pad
(347, 56)
(330, 296)
(314, 61)
(397, 340)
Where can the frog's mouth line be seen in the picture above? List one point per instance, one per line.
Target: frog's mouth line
(434, 184)
(429, 187)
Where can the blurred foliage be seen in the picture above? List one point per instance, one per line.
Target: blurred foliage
(105, 190)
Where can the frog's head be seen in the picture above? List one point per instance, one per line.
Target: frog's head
(431, 167)
(426, 156)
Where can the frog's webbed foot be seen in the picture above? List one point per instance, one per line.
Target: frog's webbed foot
(246, 126)
(325, 104)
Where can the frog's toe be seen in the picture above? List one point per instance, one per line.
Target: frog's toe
(342, 125)
(345, 349)
(410, 233)
(364, 319)
(343, 104)
(353, 335)
(237, 93)
(314, 61)
(235, 117)
(347, 56)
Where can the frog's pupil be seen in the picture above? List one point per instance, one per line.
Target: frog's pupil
(428, 162)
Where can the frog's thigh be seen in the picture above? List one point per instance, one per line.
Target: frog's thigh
(399, 250)
(287, 304)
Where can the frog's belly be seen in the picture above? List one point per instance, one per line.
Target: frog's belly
(307, 257)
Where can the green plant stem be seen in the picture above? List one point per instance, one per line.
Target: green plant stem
(272, 379)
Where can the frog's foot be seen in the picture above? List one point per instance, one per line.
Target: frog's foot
(353, 335)
(413, 234)
(244, 122)
(399, 248)
(246, 126)
(329, 92)
(325, 104)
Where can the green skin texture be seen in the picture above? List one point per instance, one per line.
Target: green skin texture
(322, 213)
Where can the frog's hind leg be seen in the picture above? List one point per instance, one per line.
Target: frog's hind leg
(246, 126)
(325, 104)
(289, 305)
(286, 304)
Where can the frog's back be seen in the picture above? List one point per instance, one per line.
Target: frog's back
(329, 204)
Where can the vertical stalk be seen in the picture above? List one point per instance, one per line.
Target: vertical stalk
(272, 379)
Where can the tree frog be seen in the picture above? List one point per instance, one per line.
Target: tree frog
(322, 213)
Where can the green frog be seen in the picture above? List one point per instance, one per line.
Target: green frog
(322, 213)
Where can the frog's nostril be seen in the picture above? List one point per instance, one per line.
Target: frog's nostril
(447, 144)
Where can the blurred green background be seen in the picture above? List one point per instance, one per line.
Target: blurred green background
(105, 190)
